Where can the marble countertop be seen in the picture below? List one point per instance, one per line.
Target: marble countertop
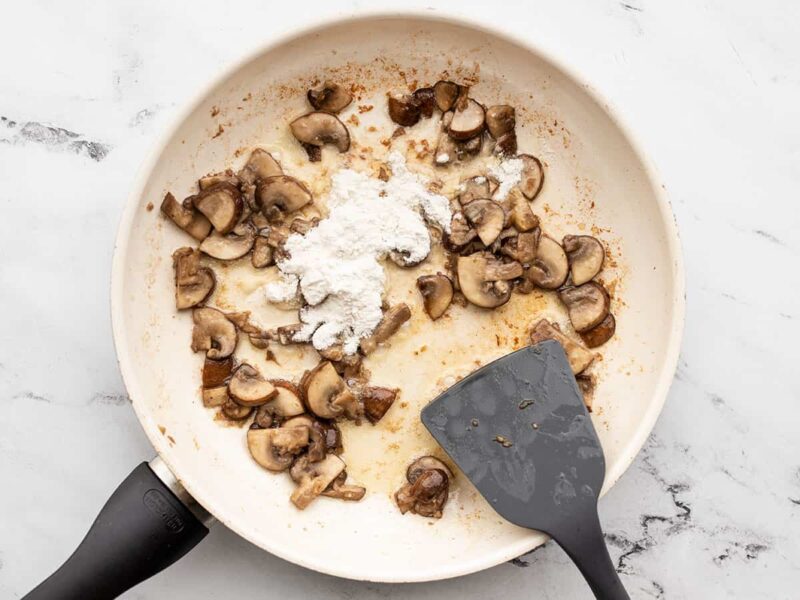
(710, 508)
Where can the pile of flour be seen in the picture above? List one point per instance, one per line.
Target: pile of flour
(336, 266)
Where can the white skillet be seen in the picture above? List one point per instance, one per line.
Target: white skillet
(594, 159)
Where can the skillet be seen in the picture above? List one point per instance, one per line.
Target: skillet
(596, 174)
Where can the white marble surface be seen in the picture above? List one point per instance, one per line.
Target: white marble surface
(711, 507)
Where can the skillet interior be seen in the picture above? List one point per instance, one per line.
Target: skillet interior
(595, 176)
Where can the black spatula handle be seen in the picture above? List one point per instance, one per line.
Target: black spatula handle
(582, 539)
(142, 529)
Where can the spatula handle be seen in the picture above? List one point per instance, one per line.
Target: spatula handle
(582, 539)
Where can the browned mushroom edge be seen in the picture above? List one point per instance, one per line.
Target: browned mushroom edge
(600, 333)
(377, 401)
(587, 305)
(532, 177)
(330, 97)
(437, 294)
(550, 268)
(193, 283)
(318, 129)
(249, 388)
(475, 282)
(280, 195)
(327, 395)
(221, 204)
(186, 217)
(426, 489)
(213, 333)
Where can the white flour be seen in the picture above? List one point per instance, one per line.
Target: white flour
(508, 173)
(336, 264)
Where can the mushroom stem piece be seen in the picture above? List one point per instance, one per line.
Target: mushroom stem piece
(313, 478)
(585, 255)
(579, 357)
(392, 319)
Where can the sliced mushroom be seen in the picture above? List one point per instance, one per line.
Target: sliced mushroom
(317, 447)
(488, 217)
(445, 94)
(404, 110)
(213, 332)
(341, 490)
(231, 246)
(260, 165)
(426, 463)
(262, 253)
(437, 294)
(186, 217)
(392, 319)
(460, 231)
(275, 449)
(506, 144)
(532, 176)
(249, 388)
(585, 255)
(213, 179)
(468, 120)
(282, 192)
(313, 478)
(600, 334)
(474, 188)
(503, 271)
(522, 247)
(222, 205)
(476, 286)
(586, 304)
(500, 120)
(216, 372)
(549, 269)
(427, 494)
(331, 97)
(426, 99)
(321, 128)
(326, 394)
(193, 283)
(234, 411)
(579, 357)
(216, 396)
(288, 400)
(377, 401)
(520, 214)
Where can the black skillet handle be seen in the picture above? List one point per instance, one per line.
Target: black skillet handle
(142, 529)
(582, 539)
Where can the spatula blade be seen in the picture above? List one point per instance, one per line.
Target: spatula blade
(519, 430)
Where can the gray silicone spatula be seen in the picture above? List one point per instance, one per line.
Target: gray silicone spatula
(519, 430)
